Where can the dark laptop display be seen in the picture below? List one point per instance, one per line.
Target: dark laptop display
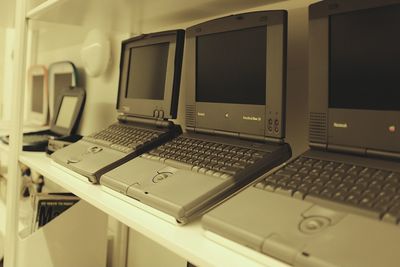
(357, 81)
(148, 93)
(235, 101)
(350, 177)
(221, 77)
(146, 63)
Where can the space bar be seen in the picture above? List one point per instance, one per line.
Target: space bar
(178, 164)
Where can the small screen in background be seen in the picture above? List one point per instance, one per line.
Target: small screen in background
(67, 111)
(62, 82)
(231, 67)
(37, 93)
(147, 71)
(365, 59)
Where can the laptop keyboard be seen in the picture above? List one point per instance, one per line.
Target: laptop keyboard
(374, 190)
(210, 158)
(123, 137)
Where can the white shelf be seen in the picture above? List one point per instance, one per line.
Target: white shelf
(138, 16)
(43, 8)
(187, 241)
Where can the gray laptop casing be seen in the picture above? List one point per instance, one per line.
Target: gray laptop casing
(301, 233)
(320, 232)
(185, 194)
(92, 160)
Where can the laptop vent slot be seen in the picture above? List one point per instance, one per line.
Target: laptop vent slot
(318, 131)
(190, 115)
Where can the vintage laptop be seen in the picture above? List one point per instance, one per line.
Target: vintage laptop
(235, 107)
(69, 105)
(148, 94)
(337, 204)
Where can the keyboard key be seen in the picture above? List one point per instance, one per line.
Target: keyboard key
(343, 168)
(353, 197)
(368, 172)
(285, 173)
(380, 175)
(257, 154)
(320, 164)
(366, 201)
(355, 170)
(310, 162)
(292, 167)
(314, 172)
(229, 169)
(339, 195)
(393, 177)
(239, 165)
(331, 166)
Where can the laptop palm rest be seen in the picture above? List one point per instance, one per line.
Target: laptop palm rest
(168, 189)
(301, 233)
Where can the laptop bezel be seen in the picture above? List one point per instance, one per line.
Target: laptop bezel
(37, 117)
(343, 127)
(262, 120)
(149, 108)
(77, 92)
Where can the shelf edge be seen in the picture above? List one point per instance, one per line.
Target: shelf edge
(36, 12)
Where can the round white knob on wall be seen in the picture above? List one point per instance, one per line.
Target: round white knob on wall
(95, 53)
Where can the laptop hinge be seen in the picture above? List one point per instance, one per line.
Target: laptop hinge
(162, 123)
(190, 129)
(382, 154)
(347, 149)
(215, 132)
(233, 134)
(317, 146)
(260, 138)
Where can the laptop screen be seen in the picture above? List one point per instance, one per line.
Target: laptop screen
(150, 71)
(147, 71)
(67, 111)
(354, 76)
(365, 59)
(231, 67)
(37, 93)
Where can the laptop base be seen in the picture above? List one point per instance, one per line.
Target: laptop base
(141, 206)
(301, 233)
(90, 160)
(260, 258)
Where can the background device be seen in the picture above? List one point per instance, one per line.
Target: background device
(37, 96)
(70, 104)
(62, 75)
